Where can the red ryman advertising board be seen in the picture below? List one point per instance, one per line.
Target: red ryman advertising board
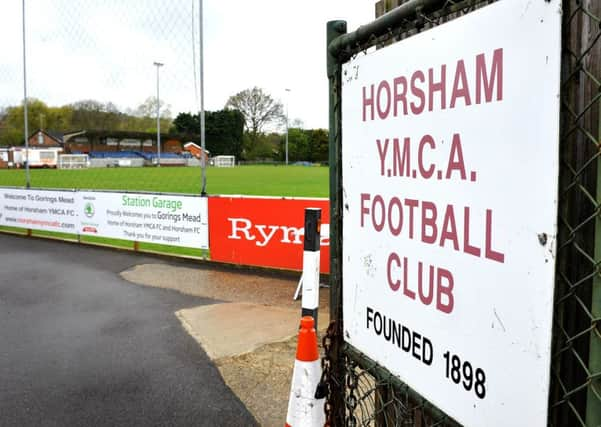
(264, 231)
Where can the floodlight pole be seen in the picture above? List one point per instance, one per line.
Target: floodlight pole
(287, 90)
(203, 165)
(158, 65)
(25, 109)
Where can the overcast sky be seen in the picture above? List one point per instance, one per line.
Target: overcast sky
(104, 50)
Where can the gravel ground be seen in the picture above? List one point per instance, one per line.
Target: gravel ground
(260, 378)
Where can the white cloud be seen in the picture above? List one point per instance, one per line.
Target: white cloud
(104, 50)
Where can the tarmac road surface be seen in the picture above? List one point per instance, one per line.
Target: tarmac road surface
(80, 346)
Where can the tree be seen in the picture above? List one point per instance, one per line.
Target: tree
(146, 113)
(149, 108)
(258, 109)
(10, 136)
(319, 143)
(223, 130)
(298, 145)
(186, 123)
(305, 145)
(93, 115)
(265, 147)
(87, 114)
(36, 110)
(38, 115)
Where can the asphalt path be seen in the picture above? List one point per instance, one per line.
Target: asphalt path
(79, 346)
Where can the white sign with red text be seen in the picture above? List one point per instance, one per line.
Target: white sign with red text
(450, 170)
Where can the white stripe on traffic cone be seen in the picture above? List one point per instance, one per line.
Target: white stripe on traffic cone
(304, 410)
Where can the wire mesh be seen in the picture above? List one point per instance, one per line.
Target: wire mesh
(93, 86)
(377, 398)
(576, 365)
(371, 396)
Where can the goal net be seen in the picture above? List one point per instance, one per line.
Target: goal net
(73, 161)
(224, 161)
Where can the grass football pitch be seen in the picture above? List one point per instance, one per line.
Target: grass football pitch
(283, 181)
(289, 181)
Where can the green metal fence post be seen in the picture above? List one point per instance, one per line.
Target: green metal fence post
(334, 66)
(593, 403)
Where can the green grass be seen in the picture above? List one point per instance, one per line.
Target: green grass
(291, 181)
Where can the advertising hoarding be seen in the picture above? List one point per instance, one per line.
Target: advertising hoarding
(153, 218)
(47, 210)
(264, 231)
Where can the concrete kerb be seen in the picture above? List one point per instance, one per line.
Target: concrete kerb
(250, 332)
(232, 329)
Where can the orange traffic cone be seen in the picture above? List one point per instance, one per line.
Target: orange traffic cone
(303, 408)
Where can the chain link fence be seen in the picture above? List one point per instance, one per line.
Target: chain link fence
(93, 84)
(362, 393)
(576, 365)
